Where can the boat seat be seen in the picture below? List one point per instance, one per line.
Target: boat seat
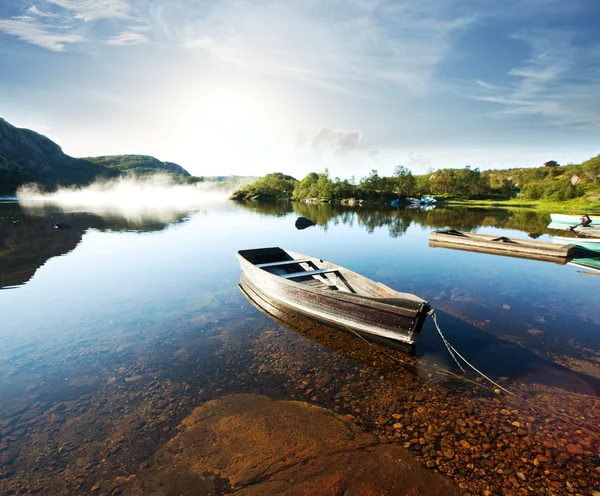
(285, 262)
(304, 273)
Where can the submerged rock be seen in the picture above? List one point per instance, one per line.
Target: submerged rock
(253, 445)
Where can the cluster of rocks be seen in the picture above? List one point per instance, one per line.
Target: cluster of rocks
(128, 435)
(488, 443)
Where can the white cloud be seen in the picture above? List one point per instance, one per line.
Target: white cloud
(328, 45)
(92, 10)
(37, 34)
(35, 11)
(337, 140)
(54, 30)
(127, 38)
(559, 82)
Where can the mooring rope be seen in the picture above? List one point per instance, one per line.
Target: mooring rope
(448, 345)
(453, 350)
(590, 429)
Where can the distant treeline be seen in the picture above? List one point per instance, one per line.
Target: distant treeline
(549, 183)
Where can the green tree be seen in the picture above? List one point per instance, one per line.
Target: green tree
(372, 184)
(404, 183)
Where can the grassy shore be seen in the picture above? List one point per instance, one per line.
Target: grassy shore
(575, 206)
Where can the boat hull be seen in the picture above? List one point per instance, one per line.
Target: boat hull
(587, 243)
(572, 219)
(500, 245)
(378, 316)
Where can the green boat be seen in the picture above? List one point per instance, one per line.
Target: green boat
(592, 244)
(589, 263)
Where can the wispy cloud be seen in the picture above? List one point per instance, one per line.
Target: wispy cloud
(35, 11)
(65, 24)
(325, 44)
(92, 10)
(127, 38)
(45, 36)
(559, 81)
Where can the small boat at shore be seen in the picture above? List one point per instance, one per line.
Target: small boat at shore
(332, 294)
(587, 243)
(592, 231)
(589, 263)
(501, 245)
(572, 219)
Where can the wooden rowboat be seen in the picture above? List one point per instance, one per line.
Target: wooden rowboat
(501, 245)
(332, 294)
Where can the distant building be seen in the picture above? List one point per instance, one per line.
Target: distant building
(552, 163)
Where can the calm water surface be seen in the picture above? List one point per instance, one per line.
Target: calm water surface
(125, 303)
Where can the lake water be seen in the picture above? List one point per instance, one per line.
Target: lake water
(113, 330)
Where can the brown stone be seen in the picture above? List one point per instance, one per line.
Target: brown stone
(253, 445)
(448, 453)
(574, 449)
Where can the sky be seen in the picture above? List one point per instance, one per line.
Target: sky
(248, 87)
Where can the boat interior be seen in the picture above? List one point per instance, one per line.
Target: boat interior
(308, 271)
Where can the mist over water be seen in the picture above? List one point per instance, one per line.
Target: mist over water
(136, 199)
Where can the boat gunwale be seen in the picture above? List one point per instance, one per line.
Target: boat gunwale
(516, 245)
(355, 299)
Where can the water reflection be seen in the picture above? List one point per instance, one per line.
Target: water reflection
(28, 238)
(397, 221)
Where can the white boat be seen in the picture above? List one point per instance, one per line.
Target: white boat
(331, 293)
(572, 219)
(589, 231)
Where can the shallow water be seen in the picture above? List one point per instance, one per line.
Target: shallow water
(140, 310)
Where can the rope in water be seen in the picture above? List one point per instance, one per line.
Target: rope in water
(452, 351)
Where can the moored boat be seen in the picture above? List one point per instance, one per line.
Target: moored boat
(591, 263)
(332, 294)
(572, 219)
(501, 245)
(588, 243)
(590, 231)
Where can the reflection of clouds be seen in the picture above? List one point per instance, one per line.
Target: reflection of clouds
(137, 201)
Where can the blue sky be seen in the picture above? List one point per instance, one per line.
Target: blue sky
(255, 86)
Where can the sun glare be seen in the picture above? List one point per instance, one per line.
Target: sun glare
(229, 127)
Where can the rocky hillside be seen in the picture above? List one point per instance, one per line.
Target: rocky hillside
(140, 165)
(29, 157)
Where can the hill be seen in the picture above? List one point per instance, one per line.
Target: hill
(26, 157)
(553, 183)
(140, 165)
(29, 157)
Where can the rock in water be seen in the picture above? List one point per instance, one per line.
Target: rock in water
(61, 225)
(303, 223)
(256, 446)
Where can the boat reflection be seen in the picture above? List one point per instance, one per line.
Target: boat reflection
(493, 356)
